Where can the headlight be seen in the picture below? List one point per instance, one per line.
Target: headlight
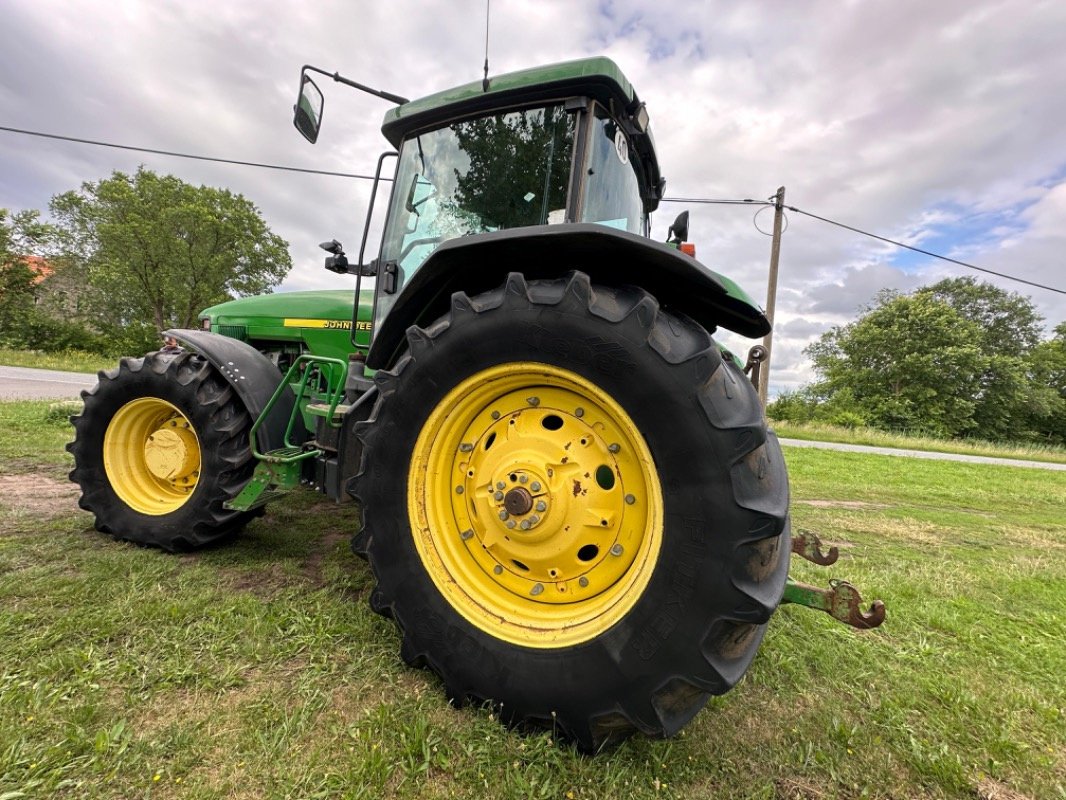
(205, 323)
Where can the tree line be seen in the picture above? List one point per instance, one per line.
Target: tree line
(958, 358)
(126, 257)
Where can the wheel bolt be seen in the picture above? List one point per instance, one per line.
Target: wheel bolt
(583, 581)
(523, 478)
(537, 589)
(465, 447)
(630, 499)
(533, 401)
(535, 486)
(497, 570)
(534, 520)
(498, 496)
(467, 534)
(617, 550)
(524, 525)
(614, 448)
(501, 485)
(542, 506)
(495, 414)
(510, 523)
(580, 412)
(458, 489)
(504, 515)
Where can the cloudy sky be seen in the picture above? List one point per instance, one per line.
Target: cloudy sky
(942, 124)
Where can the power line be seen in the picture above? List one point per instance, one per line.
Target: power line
(925, 252)
(188, 155)
(695, 200)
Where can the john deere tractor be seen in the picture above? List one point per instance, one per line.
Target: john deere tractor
(569, 498)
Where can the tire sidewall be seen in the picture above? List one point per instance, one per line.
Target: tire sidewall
(662, 633)
(175, 379)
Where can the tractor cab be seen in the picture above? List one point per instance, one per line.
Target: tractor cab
(566, 143)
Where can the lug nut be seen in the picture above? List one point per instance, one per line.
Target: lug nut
(535, 486)
(510, 523)
(523, 478)
(533, 401)
(537, 589)
(495, 414)
(542, 506)
(467, 534)
(524, 525)
(501, 485)
(630, 499)
(534, 520)
(497, 570)
(617, 550)
(504, 515)
(580, 412)
(583, 581)
(465, 447)
(614, 448)
(498, 496)
(458, 489)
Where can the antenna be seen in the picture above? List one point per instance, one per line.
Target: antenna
(485, 80)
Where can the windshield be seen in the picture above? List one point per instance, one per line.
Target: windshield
(501, 171)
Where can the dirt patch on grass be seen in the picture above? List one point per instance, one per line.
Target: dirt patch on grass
(324, 547)
(37, 495)
(989, 789)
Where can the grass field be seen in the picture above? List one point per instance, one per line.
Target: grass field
(256, 669)
(66, 361)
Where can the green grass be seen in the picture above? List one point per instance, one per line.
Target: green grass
(256, 669)
(871, 436)
(66, 361)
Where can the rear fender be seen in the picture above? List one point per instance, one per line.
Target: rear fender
(251, 374)
(480, 263)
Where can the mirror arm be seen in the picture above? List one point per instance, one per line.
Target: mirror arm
(393, 98)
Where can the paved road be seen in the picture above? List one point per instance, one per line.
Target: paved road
(893, 451)
(25, 383)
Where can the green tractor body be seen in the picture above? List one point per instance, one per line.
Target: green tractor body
(568, 494)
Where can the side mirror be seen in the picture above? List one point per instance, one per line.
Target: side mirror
(678, 232)
(307, 113)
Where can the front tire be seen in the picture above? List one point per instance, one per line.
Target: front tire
(160, 445)
(573, 509)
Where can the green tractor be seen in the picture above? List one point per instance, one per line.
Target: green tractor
(569, 498)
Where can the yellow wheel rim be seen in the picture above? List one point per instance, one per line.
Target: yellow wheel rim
(151, 456)
(535, 505)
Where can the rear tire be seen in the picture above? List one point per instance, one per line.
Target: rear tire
(660, 547)
(160, 445)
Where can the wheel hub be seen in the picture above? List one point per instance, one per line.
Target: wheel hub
(551, 494)
(171, 453)
(151, 456)
(518, 501)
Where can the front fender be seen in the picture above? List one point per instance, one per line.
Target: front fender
(476, 264)
(252, 375)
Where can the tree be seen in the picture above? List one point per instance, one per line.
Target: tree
(1047, 370)
(157, 250)
(910, 362)
(1009, 328)
(24, 241)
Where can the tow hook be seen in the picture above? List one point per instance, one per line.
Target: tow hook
(841, 600)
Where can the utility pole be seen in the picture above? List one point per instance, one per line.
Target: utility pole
(771, 292)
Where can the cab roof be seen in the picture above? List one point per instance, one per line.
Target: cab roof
(598, 78)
